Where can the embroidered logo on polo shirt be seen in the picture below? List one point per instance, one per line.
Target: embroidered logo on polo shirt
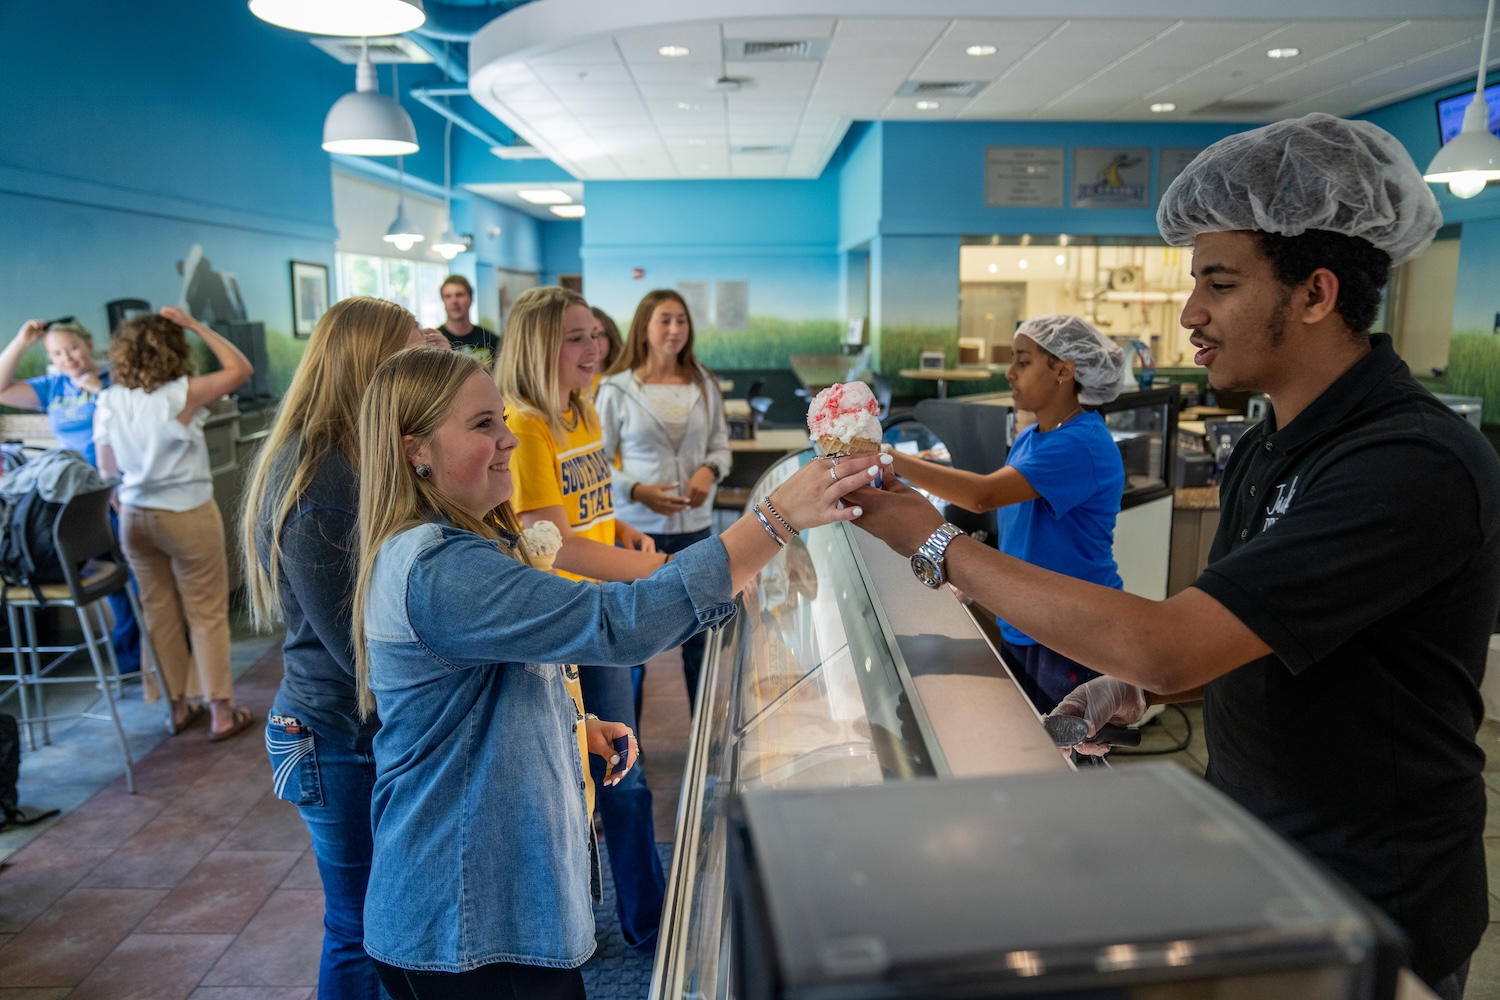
(1282, 503)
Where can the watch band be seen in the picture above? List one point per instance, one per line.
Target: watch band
(929, 556)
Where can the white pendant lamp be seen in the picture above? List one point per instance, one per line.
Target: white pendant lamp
(402, 233)
(1471, 159)
(449, 244)
(342, 17)
(366, 122)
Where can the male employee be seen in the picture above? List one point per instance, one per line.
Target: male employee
(1339, 633)
(464, 336)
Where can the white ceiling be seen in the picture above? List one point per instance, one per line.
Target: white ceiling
(583, 80)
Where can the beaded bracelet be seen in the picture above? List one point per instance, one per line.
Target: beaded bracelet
(777, 514)
(767, 525)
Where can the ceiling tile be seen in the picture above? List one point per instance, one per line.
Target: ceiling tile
(780, 29)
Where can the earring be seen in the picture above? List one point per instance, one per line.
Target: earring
(423, 471)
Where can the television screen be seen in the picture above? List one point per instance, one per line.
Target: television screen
(1451, 112)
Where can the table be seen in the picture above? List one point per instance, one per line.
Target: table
(942, 376)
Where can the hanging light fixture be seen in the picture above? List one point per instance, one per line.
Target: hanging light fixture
(402, 232)
(449, 244)
(342, 17)
(366, 122)
(1471, 159)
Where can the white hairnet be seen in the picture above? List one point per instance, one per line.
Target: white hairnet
(1315, 172)
(1098, 362)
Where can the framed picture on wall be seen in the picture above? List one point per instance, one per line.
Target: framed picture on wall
(309, 296)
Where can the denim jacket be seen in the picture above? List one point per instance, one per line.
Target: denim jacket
(482, 839)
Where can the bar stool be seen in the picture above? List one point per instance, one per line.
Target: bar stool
(93, 568)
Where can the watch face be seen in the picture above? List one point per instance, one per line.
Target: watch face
(926, 570)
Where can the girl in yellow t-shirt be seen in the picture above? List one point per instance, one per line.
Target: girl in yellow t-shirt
(548, 358)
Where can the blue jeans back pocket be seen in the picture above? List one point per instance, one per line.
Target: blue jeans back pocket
(294, 761)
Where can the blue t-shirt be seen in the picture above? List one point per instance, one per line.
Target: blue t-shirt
(1070, 527)
(70, 410)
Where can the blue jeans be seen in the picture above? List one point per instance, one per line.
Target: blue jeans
(625, 810)
(331, 787)
(1046, 677)
(692, 650)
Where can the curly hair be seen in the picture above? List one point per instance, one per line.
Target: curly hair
(148, 352)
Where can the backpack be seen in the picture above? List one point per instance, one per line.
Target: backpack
(30, 499)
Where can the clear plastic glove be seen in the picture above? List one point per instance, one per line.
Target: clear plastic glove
(1103, 701)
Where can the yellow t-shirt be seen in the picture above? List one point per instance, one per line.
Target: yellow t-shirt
(573, 474)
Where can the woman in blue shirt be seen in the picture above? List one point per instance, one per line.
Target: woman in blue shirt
(483, 855)
(1059, 491)
(68, 398)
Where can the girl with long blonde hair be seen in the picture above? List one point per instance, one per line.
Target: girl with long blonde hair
(548, 359)
(483, 854)
(298, 534)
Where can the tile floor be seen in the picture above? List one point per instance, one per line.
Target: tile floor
(201, 885)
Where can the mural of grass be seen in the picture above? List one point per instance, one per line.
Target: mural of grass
(1474, 369)
(767, 343)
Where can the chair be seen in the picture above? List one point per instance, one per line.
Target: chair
(759, 405)
(882, 389)
(93, 568)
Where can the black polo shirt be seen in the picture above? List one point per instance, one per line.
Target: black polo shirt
(1361, 544)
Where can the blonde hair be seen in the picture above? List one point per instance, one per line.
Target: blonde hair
(412, 394)
(77, 330)
(526, 373)
(321, 413)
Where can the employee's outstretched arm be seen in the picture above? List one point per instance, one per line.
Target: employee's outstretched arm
(1169, 647)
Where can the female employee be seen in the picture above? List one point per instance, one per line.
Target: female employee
(68, 397)
(299, 537)
(482, 863)
(148, 426)
(1059, 490)
(547, 362)
(663, 420)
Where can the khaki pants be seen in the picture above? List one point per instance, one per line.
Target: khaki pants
(179, 563)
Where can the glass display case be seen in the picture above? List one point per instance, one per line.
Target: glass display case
(812, 685)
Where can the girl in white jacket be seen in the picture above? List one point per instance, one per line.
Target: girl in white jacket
(663, 421)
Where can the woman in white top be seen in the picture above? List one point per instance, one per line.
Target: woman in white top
(663, 420)
(148, 427)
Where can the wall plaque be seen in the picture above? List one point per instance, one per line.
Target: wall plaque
(1111, 177)
(1023, 176)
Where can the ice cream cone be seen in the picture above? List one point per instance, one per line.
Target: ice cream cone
(854, 446)
(543, 562)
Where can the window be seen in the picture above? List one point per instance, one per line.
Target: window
(414, 284)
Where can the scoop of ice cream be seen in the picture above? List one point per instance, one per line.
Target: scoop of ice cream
(845, 412)
(542, 539)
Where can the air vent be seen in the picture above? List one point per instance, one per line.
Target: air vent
(940, 88)
(774, 50)
(1237, 109)
(760, 150)
(394, 49)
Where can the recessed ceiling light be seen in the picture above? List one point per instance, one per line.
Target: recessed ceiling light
(994, 268)
(697, 142)
(1022, 264)
(567, 211)
(928, 105)
(981, 50)
(703, 166)
(672, 51)
(686, 106)
(1062, 259)
(545, 196)
(1163, 106)
(1285, 53)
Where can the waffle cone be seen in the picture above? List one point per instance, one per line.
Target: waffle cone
(854, 446)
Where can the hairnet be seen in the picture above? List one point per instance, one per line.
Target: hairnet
(1315, 172)
(1098, 362)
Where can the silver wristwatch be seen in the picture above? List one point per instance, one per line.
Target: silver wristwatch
(927, 562)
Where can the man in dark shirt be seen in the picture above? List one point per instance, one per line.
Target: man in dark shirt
(1339, 633)
(464, 336)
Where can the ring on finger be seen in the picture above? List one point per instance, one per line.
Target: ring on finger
(833, 474)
